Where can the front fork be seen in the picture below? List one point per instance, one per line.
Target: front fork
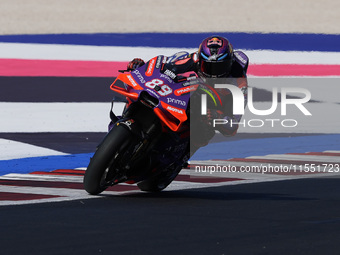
(145, 135)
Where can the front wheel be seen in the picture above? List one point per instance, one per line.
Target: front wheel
(95, 179)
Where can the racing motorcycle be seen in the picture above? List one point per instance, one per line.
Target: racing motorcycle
(150, 143)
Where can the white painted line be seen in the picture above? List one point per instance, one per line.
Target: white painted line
(43, 191)
(14, 150)
(311, 158)
(120, 53)
(54, 117)
(82, 52)
(94, 117)
(43, 177)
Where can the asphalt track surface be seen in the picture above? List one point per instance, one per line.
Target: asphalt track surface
(280, 217)
(285, 217)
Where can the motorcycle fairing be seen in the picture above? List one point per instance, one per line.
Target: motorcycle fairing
(172, 106)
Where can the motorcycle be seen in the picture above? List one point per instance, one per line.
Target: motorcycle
(150, 144)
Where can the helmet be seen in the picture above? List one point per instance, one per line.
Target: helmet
(215, 57)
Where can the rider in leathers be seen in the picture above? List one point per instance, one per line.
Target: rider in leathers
(214, 59)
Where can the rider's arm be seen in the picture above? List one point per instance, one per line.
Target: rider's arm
(239, 69)
(232, 120)
(184, 65)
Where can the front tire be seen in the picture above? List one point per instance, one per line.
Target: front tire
(95, 175)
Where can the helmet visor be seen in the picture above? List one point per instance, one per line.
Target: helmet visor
(218, 68)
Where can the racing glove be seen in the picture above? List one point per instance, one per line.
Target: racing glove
(135, 63)
(213, 114)
(224, 124)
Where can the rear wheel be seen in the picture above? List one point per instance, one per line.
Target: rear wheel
(161, 181)
(96, 175)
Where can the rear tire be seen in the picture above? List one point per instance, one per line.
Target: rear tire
(116, 140)
(159, 182)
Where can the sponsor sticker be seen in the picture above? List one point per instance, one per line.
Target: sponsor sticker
(132, 80)
(151, 67)
(185, 90)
